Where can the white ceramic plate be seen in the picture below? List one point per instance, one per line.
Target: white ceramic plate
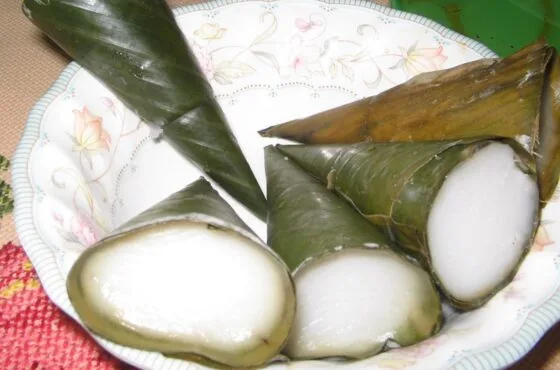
(85, 164)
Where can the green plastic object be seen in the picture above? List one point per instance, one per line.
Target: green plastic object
(505, 26)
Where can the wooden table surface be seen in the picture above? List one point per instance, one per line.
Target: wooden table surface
(29, 63)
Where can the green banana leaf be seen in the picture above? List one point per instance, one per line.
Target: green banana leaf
(198, 198)
(511, 97)
(196, 203)
(394, 185)
(306, 222)
(548, 158)
(136, 48)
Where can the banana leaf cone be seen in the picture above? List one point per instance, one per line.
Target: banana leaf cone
(548, 150)
(137, 50)
(189, 279)
(347, 279)
(466, 210)
(512, 97)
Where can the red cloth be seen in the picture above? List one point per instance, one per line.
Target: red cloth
(34, 333)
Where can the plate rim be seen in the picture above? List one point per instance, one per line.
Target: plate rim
(536, 324)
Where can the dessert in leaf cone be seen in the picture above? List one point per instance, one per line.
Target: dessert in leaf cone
(137, 50)
(548, 153)
(465, 209)
(189, 279)
(354, 293)
(515, 97)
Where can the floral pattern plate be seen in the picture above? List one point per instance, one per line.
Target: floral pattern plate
(86, 164)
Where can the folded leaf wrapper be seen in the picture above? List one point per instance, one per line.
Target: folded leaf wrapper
(395, 186)
(189, 279)
(305, 220)
(137, 50)
(512, 97)
(347, 278)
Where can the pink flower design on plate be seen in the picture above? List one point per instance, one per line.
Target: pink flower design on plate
(83, 231)
(515, 291)
(110, 104)
(304, 26)
(204, 58)
(89, 135)
(415, 61)
(79, 230)
(542, 240)
(304, 60)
